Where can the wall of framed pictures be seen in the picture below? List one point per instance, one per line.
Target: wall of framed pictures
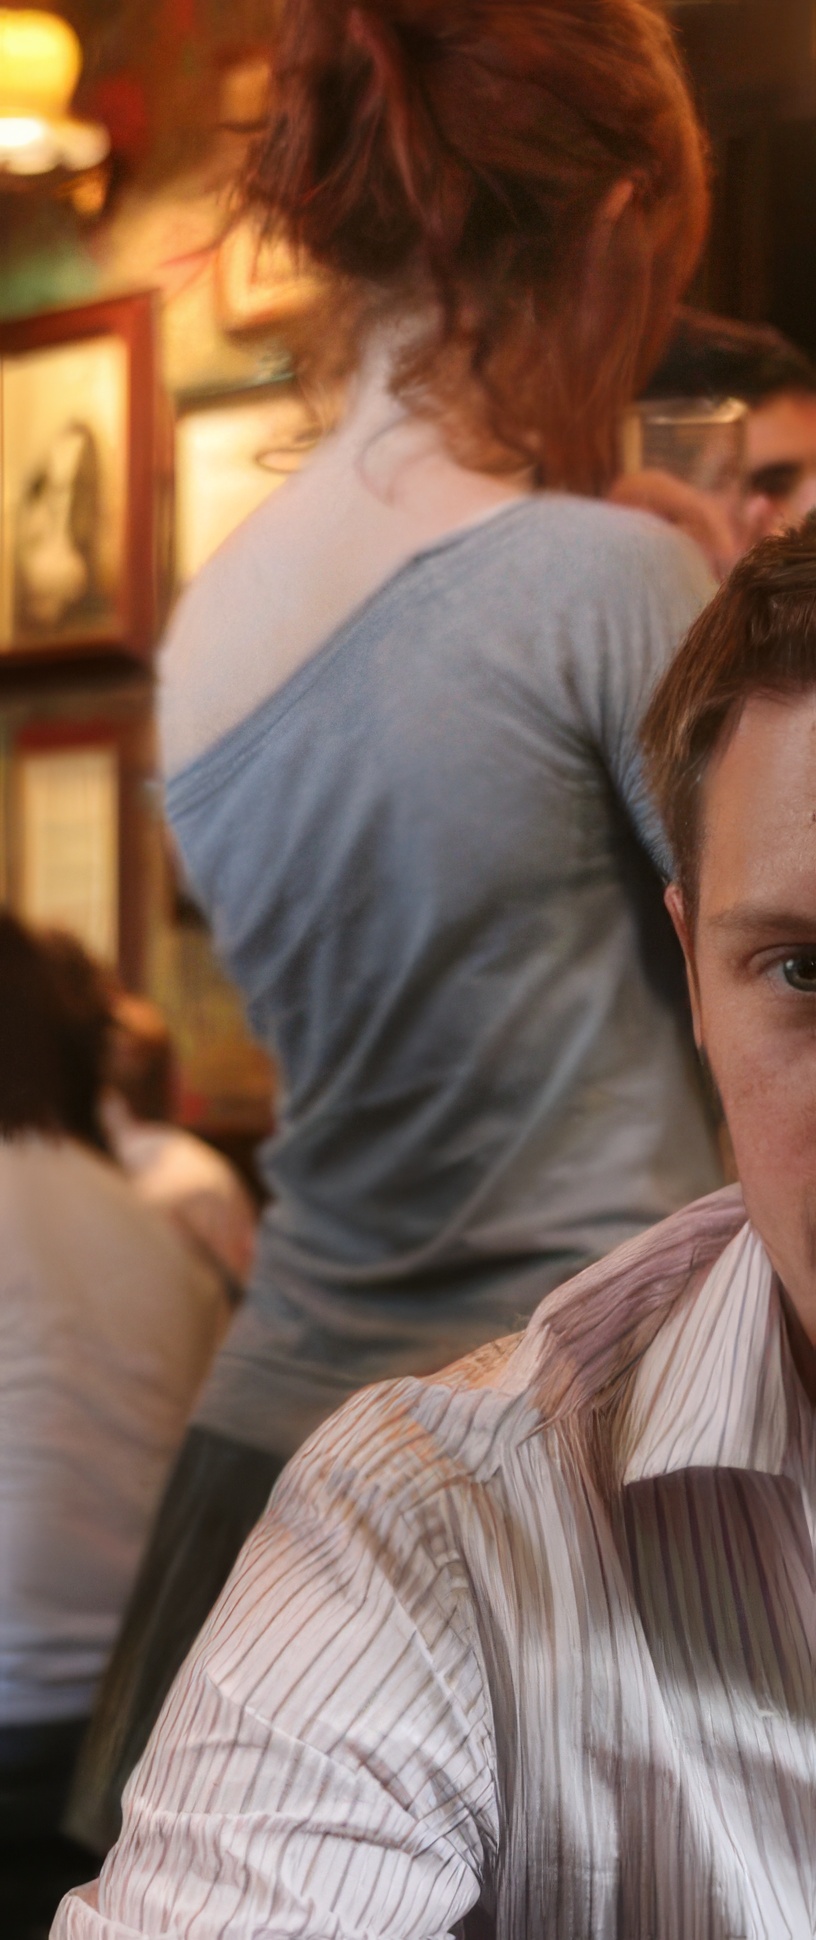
(136, 432)
(111, 498)
(83, 847)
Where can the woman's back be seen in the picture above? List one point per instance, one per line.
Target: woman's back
(421, 874)
(408, 817)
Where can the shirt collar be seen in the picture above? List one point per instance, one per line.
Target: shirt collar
(711, 1391)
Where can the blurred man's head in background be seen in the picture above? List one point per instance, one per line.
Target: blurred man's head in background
(141, 1064)
(711, 356)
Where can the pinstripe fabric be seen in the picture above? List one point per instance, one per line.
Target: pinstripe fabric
(554, 1656)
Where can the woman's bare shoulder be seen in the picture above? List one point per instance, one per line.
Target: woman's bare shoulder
(221, 653)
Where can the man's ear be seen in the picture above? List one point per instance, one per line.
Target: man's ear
(677, 911)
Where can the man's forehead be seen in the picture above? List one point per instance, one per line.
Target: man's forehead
(782, 424)
(759, 810)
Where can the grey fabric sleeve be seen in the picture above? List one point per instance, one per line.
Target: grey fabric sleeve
(650, 591)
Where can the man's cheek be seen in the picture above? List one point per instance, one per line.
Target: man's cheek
(770, 1108)
(751, 1091)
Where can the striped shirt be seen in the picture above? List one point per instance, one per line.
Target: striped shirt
(533, 1640)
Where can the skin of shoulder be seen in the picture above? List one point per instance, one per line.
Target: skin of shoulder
(225, 610)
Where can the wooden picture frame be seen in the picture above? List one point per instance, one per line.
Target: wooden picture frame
(81, 469)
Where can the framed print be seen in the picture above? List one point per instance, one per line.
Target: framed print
(81, 825)
(231, 452)
(79, 470)
(68, 814)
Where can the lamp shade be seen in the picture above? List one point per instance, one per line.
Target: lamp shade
(40, 63)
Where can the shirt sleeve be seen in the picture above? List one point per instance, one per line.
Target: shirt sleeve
(324, 1765)
(651, 587)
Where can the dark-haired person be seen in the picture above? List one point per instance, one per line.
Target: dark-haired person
(118, 1064)
(711, 356)
(538, 1635)
(84, 993)
(107, 1327)
(400, 715)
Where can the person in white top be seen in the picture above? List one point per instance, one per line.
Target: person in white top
(108, 1323)
(532, 1641)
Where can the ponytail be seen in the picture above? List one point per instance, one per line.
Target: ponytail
(454, 157)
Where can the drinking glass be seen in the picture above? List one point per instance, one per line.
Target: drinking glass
(700, 440)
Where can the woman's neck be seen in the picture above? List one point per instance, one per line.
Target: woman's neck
(401, 455)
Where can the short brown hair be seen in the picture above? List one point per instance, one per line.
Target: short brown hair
(454, 155)
(53, 1019)
(758, 636)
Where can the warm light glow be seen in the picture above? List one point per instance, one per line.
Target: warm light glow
(19, 131)
(40, 62)
(26, 145)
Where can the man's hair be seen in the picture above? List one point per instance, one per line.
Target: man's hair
(758, 636)
(709, 356)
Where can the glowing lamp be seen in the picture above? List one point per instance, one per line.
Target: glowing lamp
(40, 63)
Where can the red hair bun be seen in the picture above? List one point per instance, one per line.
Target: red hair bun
(462, 150)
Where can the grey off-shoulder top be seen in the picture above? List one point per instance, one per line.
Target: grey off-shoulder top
(425, 862)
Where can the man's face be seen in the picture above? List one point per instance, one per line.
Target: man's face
(752, 969)
(780, 460)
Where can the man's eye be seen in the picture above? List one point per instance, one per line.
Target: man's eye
(800, 972)
(776, 481)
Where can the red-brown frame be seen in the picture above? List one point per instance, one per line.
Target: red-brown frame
(132, 318)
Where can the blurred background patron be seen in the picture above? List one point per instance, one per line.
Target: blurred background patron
(108, 1322)
(709, 360)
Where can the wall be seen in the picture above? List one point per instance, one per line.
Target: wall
(161, 74)
(157, 73)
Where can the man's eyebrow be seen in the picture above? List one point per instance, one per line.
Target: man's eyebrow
(753, 918)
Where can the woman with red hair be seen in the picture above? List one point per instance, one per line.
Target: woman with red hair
(400, 716)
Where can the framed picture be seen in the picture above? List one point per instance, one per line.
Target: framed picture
(232, 450)
(79, 477)
(68, 817)
(77, 851)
